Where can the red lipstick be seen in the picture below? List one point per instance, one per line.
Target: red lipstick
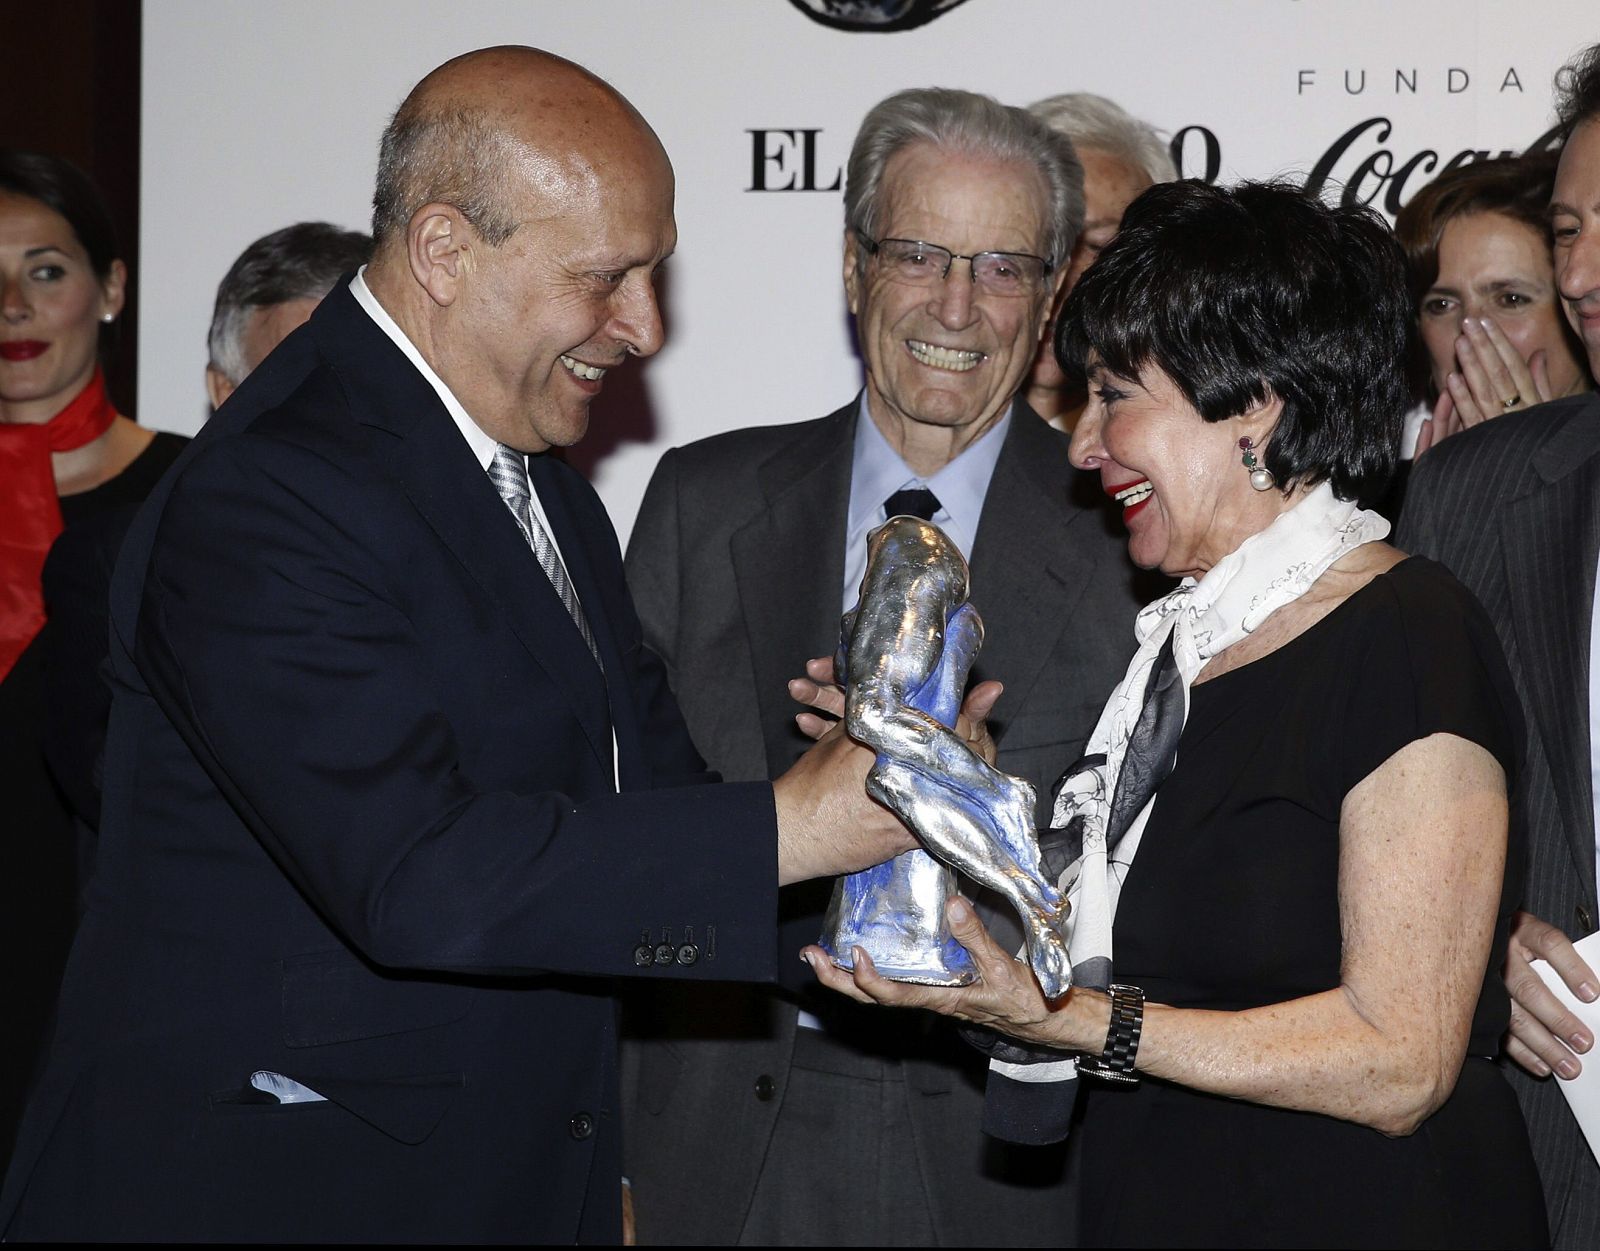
(22, 349)
(1129, 511)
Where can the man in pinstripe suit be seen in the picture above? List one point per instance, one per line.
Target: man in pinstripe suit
(1513, 507)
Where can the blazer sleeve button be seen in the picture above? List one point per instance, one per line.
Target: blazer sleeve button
(1585, 921)
(666, 953)
(581, 1126)
(643, 956)
(765, 1088)
(688, 954)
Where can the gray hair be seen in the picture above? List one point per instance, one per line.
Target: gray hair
(971, 124)
(454, 156)
(1092, 121)
(299, 262)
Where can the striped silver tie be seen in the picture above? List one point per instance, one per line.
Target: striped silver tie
(509, 473)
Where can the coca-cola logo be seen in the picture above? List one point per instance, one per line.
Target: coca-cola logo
(1367, 164)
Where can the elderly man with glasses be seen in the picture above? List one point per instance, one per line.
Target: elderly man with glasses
(769, 1116)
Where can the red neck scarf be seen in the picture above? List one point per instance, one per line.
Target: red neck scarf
(30, 513)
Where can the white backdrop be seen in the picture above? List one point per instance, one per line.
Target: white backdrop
(258, 115)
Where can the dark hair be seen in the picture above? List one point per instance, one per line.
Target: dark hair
(299, 262)
(1578, 91)
(1239, 295)
(1517, 187)
(63, 187)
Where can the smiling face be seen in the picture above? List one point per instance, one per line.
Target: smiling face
(1491, 265)
(571, 294)
(51, 303)
(946, 354)
(1575, 228)
(1185, 494)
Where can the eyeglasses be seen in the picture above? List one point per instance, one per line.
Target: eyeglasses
(993, 273)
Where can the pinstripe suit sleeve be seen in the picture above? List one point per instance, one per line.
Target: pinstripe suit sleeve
(1455, 506)
(1418, 531)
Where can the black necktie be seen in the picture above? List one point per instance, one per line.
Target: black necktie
(912, 502)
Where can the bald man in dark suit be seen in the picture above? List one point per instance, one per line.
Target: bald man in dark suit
(392, 787)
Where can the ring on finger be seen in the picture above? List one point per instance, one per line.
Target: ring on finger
(1512, 402)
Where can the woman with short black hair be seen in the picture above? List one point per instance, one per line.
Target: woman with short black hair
(1294, 807)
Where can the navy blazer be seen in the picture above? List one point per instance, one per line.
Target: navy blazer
(360, 829)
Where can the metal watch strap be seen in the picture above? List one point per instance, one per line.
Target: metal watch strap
(1116, 1062)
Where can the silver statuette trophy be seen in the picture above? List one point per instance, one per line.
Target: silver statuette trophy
(903, 659)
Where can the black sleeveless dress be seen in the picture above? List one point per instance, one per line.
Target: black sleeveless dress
(1233, 902)
(39, 844)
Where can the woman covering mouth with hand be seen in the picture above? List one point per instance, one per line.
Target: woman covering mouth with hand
(1287, 849)
(1477, 243)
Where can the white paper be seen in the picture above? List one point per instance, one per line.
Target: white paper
(1583, 1091)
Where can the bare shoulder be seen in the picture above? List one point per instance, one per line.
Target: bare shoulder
(1332, 589)
(1350, 574)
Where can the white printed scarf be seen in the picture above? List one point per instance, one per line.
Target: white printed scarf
(1268, 570)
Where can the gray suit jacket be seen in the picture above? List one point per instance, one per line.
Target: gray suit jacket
(1513, 508)
(736, 564)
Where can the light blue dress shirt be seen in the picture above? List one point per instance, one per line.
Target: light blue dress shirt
(877, 472)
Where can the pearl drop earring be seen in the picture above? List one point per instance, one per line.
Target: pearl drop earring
(1260, 477)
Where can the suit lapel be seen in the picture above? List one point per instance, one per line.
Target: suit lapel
(1550, 539)
(1028, 569)
(788, 563)
(445, 483)
(455, 497)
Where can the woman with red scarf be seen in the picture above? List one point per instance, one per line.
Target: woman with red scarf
(66, 456)
(61, 441)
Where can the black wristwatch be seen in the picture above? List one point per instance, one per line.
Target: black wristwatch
(1115, 1063)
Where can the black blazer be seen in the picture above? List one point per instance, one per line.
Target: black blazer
(359, 829)
(737, 561)
(1513, 508)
